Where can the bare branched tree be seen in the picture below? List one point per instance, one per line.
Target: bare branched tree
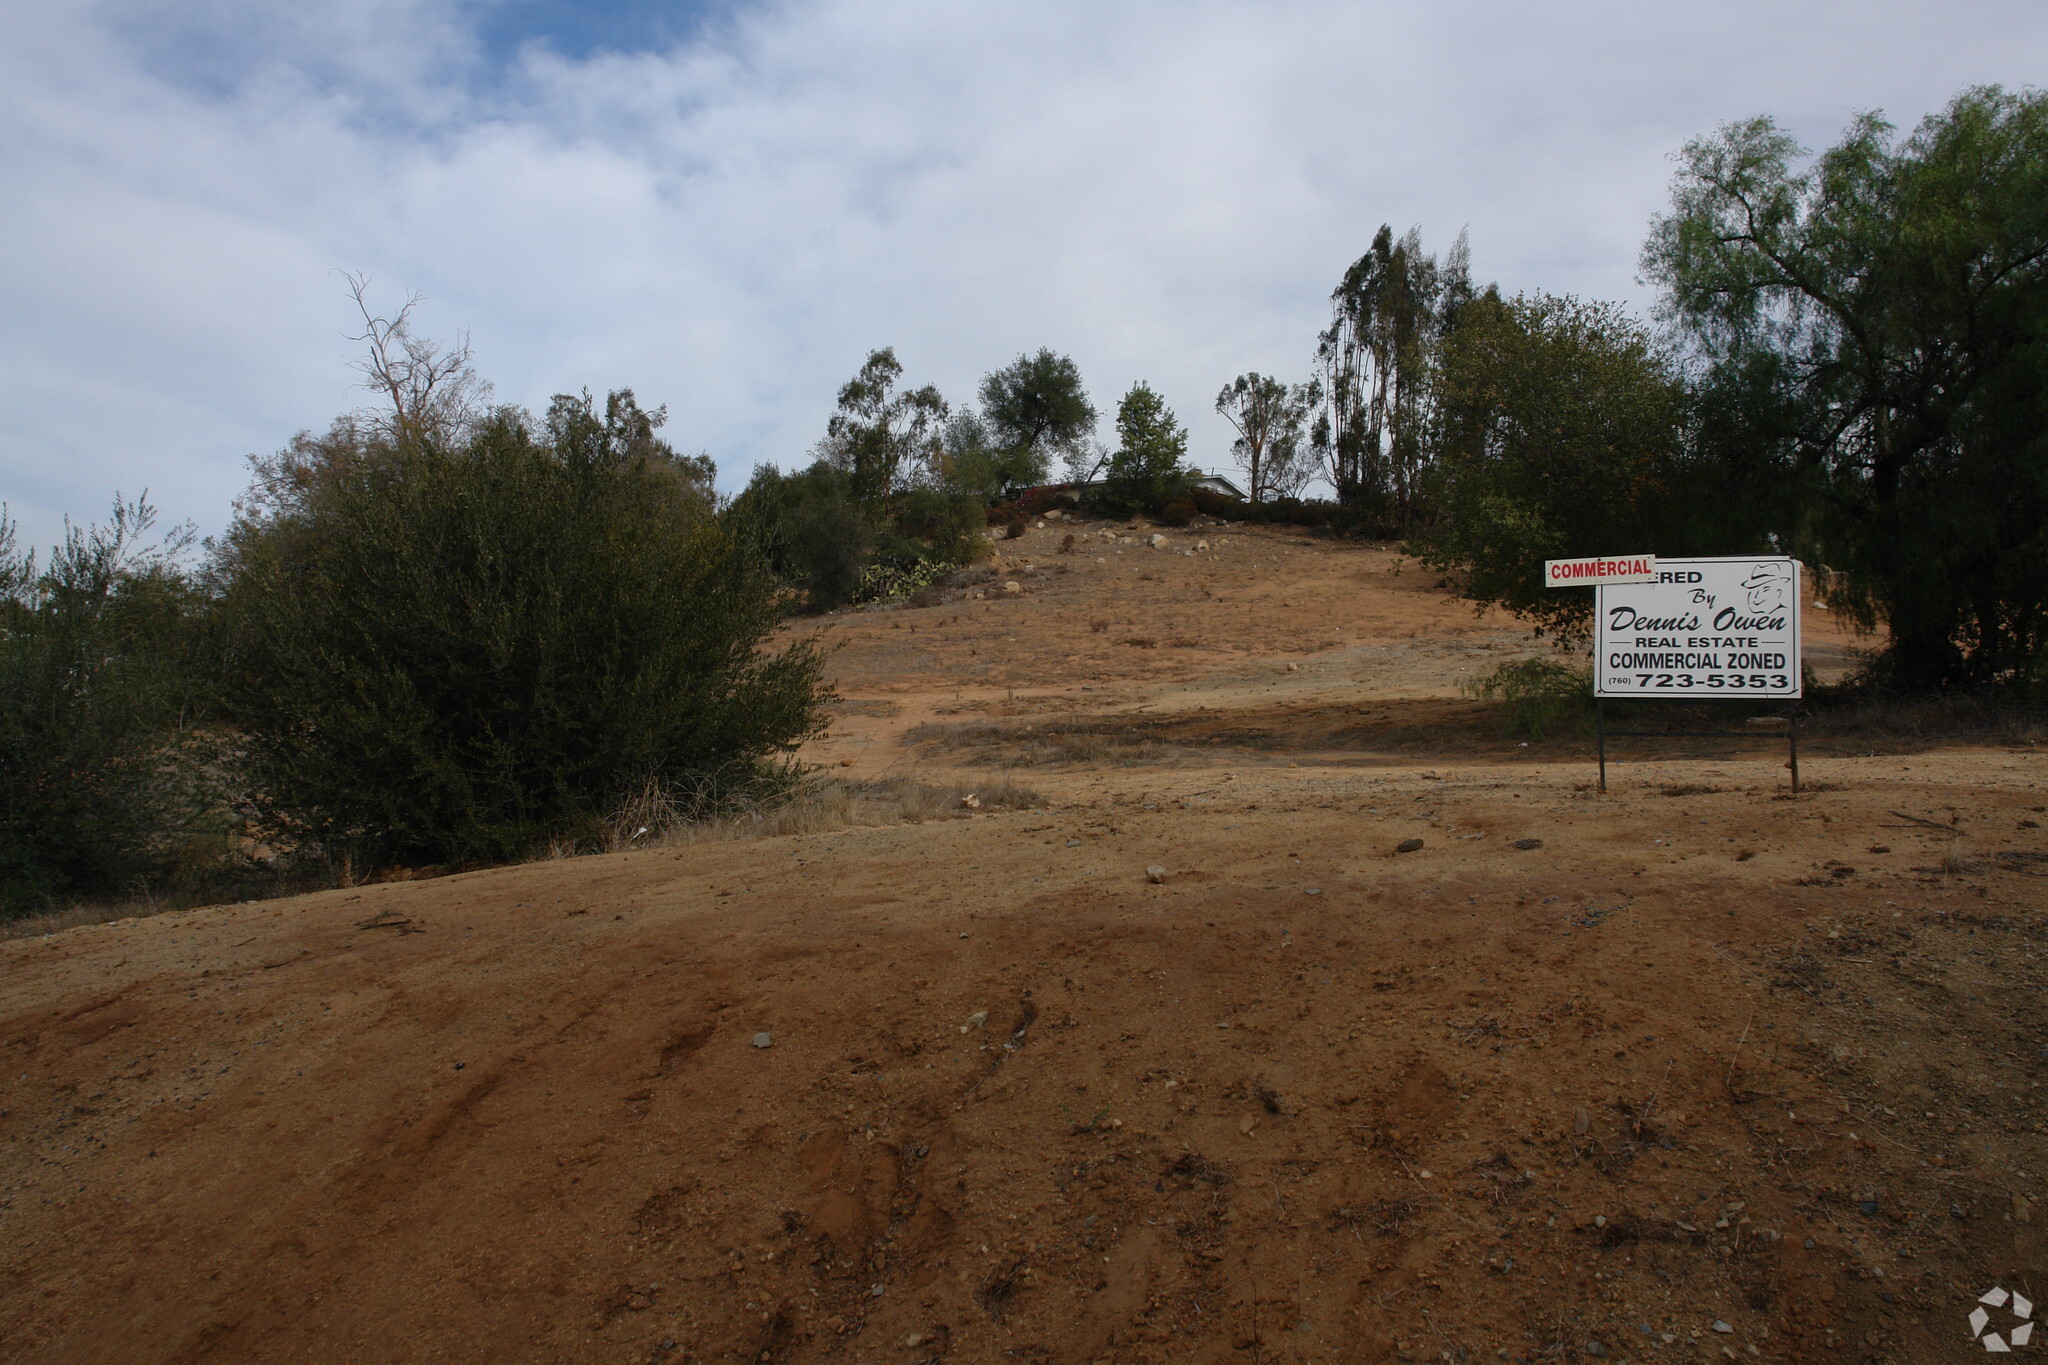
(435, 396)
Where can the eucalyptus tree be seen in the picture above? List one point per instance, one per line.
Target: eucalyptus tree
(1871, 329)
(877, 431)
(1268, 416)
(1372, 363)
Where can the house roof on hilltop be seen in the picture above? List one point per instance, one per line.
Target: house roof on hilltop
(1215, 483)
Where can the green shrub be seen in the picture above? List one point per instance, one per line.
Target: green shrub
(101, 783)
(809, 529)
(942, 526)
(1537, 696)
(452, 655)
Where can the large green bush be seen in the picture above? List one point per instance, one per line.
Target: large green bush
(100, 787)
(1559, 430)
(835, 549)
(439, 655)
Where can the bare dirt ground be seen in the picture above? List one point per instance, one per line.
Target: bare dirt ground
(1689, 1071)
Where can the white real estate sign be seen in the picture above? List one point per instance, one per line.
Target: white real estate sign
(1723, 627)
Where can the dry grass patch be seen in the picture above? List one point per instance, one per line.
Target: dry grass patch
(1041, 746)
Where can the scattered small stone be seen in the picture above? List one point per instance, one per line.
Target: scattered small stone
(1012, 588)
(764, 1040)
(1594, 1348)
(1407, 845)
(1720, 1326)
(1526, 844)
(1314, 891)
(1155, 874)
(1868, 1208)
(1073, 843)
(978, 1019)
(1158, 542)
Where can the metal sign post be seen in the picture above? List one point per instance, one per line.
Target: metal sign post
(1706, 629)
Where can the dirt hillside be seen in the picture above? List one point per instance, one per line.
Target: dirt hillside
(1690, 1071)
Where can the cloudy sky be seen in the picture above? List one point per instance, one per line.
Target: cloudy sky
(725, 204)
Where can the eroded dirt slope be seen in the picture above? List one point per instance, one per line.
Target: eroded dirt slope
(1581, 1077)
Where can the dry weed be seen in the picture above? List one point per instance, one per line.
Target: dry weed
(839, 803)
(77, 916)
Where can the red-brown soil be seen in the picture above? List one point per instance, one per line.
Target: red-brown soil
(1702, 1054)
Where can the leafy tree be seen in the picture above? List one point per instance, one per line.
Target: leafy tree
(625, 435)
(1146, 468)
(1559, 429)
(1872, 327)
(1268, 417)
(100, 683)
(1034, 409)
(445, 654)
(1373, 361)
(877, 431)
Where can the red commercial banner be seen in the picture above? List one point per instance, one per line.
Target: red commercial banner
(1579, 573)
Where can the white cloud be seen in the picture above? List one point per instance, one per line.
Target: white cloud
(1166, 191)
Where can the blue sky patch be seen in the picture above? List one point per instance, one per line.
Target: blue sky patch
(577, 29)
